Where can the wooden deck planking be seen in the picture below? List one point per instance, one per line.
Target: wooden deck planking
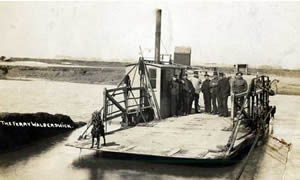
(184, 137)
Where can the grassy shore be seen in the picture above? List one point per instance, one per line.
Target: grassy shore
(99, 72)
(90, 72)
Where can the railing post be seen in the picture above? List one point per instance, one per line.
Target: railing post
(252, 106)
(126, 94)
(233, 106)
(105, 108)
(248, 104)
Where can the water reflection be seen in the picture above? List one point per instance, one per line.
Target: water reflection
(32, 150)
(102, 168)
(99, 166)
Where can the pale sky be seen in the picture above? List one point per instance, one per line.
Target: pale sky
(257, 33)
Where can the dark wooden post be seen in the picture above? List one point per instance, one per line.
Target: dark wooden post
(233, 107)
(252, 106)
(248, 104)
(126, 95)
(105, 108)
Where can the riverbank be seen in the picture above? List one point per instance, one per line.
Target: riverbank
(90, 72)
(100, 72)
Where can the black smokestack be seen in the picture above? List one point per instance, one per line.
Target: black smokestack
(157, 36)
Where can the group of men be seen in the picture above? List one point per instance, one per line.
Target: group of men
(215, 91)
(182, 94)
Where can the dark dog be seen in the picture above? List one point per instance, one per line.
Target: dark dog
(98, 128)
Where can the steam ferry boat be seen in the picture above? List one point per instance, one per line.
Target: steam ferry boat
(142, 102)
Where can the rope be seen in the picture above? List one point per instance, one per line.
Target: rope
(252, 148)
(133, 77)
(248, 155)
(164, 46)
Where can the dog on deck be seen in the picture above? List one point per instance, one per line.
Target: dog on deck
(98, 128)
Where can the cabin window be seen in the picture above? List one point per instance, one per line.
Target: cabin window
(152, 74)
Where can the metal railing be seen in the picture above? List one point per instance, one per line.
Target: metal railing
(251, 107)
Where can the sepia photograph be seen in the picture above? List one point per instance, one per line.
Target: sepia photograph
(150, 90)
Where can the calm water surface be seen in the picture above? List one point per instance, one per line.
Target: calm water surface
(51, 159)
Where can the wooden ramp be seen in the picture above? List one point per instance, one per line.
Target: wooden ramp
(194, 136)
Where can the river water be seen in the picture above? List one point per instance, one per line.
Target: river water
(51, 159)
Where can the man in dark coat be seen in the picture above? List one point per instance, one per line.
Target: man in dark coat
(188, 94)
(180, 94)
(224, 92)
(206, 93)
(219, 96)
(239, 85)
(174, 93)
(214, 92)
(191, 95)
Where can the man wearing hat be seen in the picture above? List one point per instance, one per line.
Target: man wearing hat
(223, 93)
(214, 92)
(197, 85)
(239, 85)
(188, 94)
(174, 93)
(180, 93)
(206, 93)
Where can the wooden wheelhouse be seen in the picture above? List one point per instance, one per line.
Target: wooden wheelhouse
(159, 77)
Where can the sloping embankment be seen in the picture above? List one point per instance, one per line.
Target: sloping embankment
(19, 129)
(91, 75)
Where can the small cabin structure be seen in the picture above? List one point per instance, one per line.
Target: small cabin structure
(241, 68)
(159, 77)
(182, 55)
